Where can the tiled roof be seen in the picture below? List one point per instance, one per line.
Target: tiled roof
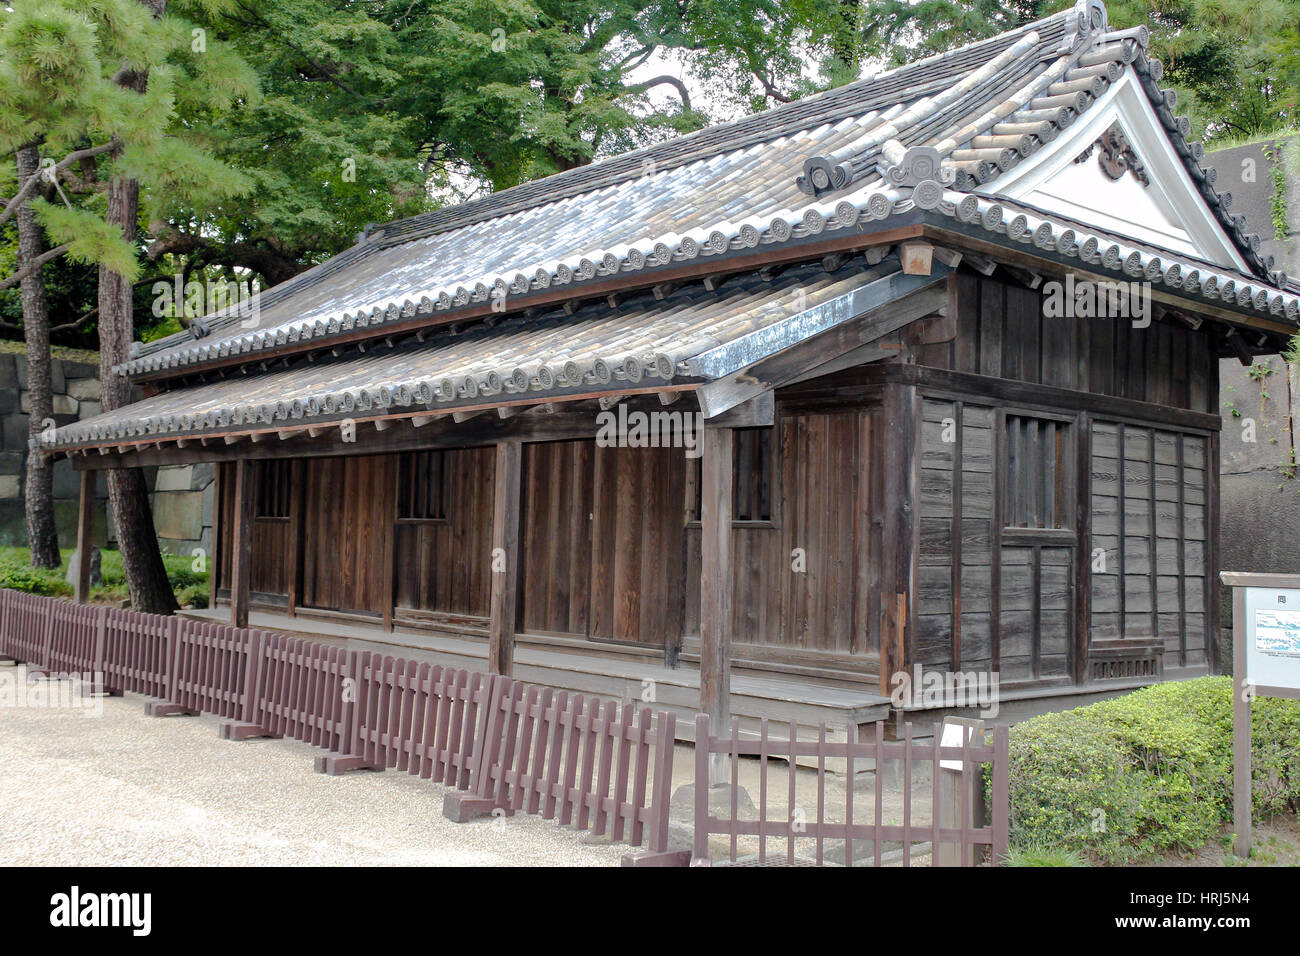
(645, 341)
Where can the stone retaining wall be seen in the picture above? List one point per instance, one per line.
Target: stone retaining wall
(182, 499)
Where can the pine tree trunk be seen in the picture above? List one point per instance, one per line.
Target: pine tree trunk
(146, 577)
(42, 534)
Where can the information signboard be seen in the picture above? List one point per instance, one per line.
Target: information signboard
(1273, 636)
(1265, 663)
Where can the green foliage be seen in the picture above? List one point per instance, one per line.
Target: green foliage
(191, 586)
(1277, 197)
(17, 573)
(91, 240)
(1147, 773)
(1038, 855)
(1234, 63)
(138, 92)
(194, 596)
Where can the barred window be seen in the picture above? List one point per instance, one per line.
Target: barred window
(421, 495)
(753, 477)
(274, 488)
(1039, 478)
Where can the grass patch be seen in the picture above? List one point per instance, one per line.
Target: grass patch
(62, 352)
(1043, 856)
(190, 586)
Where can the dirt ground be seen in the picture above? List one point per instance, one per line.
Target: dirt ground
(119, 789)
(1276, 843)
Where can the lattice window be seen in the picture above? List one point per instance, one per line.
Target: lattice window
(1039, 483)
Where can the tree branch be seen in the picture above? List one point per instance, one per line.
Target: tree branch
(35, 265)
(11, 205)
(665, 80)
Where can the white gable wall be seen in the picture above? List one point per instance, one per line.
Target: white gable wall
(1169, 212)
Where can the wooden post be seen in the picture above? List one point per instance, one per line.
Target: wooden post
(1241, 772)
(960, 789)
(1083, 551)
(297, 494)
(241, 543)
(901, 481)
(85, 535)
(718, 449)
(214, 555)
(390, 546)
(505, 557)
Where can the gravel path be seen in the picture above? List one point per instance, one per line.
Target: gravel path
(124, 789)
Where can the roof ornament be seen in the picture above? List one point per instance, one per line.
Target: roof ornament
(918, 164)
(820, 175)
(1115, 156)
(1086, 20)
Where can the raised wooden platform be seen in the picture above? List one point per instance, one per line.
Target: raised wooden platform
(609, 673)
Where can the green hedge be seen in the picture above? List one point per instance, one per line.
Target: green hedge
(1148, 772)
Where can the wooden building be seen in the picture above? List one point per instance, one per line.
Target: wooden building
(933, 429)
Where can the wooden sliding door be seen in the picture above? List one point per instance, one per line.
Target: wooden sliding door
(349, 506)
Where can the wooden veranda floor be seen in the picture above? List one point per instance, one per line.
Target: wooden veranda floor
(612, 675)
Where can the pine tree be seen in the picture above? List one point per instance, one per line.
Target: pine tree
(95, 87)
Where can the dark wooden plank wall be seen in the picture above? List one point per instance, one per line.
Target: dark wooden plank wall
(269, 575)
(610, 551)
(1149, 493)
(349, 505)
(1000, 597)
(825, 508)
(445, 565)
(603, 536)
(1002, 332)
(957, 564)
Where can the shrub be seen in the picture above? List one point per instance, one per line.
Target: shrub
(195, 595)
(17, 574)
(1148, 772)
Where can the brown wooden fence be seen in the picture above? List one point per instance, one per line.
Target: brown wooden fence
(583, 761)
(137, 652)
(415, 717)
(805, 824)
(297, 689)
(501, 744)
(506, 746)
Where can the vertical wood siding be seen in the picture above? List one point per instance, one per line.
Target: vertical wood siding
(348, 510)
(445, 565)
(825, 509)
(1149, 493)
(604, 538)
(1002, 332)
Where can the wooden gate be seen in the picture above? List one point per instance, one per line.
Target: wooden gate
(809, 826)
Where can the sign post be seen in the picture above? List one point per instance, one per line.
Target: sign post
(1265, 662)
